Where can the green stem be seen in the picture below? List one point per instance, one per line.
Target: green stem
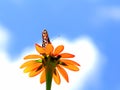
(49, 72)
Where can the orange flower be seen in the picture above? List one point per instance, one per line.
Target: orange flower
(49, 57)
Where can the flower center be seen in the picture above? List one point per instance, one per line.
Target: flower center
(50, 60)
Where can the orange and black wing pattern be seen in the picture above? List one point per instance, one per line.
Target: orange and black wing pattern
(45, 38)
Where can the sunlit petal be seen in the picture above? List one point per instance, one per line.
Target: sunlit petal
(35, 72)
(67, 55)
(56, 77)
(71, 67)
(39, 49)
(63, 73)
(49, 48)
(32, 57)
(43, 77)
(31, 67)
(69, 62)
(58, 49)
(27, 63)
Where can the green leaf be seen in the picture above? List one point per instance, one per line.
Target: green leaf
(39, 60)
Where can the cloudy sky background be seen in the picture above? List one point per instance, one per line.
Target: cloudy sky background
(87, 28)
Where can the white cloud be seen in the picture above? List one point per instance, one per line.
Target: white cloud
(112, 12)
(4, 37)
(91, 60)
(87, 55)
(105, 14)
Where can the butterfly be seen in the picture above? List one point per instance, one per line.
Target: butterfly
(45, 38)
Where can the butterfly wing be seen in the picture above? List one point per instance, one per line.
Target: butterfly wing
(45, 38)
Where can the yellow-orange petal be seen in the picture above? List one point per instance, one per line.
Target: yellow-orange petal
(67, 55)
(49, 49)
(69, 62)
(71, 67)
(39, 49)
(35, 72)
(56, 77)
(31, 67)
(32, 57)
(58, 49)
(27, 63)
(63, 73)
(43, 77)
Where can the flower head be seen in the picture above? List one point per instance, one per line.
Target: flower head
(49, 59)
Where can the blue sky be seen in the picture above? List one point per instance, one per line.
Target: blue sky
(97, 19)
